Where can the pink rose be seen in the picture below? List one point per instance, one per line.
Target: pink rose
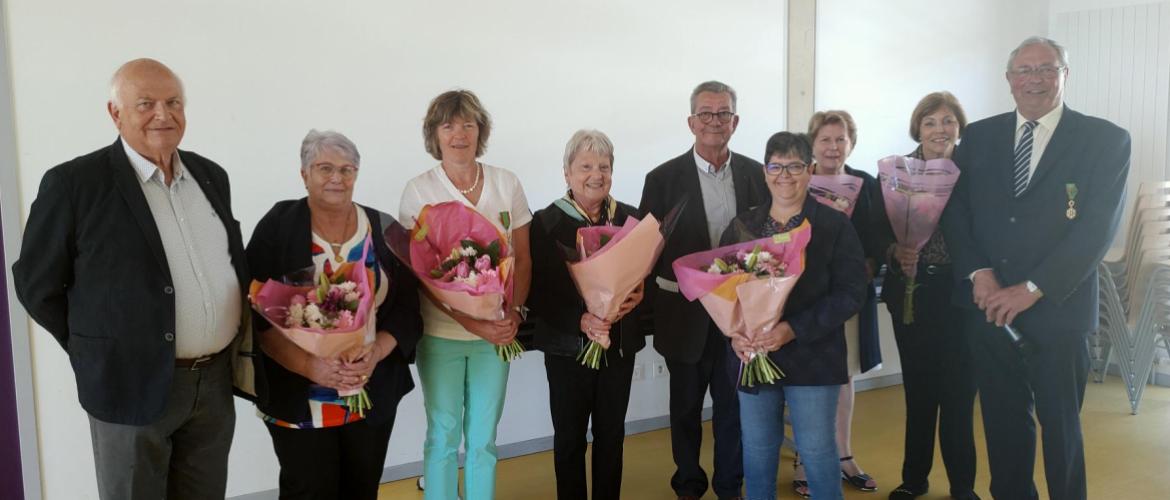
(483, 263)
(462, 270)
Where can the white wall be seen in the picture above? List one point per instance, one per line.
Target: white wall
(877, 59)
(259, 74)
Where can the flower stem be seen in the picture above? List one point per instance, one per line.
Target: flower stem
(509, 352)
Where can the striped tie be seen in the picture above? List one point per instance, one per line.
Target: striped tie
(1023, 159)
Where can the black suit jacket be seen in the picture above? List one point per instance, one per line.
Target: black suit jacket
(831, 290)
(92, 272)
(1030, 237)
(680, 327)
(282, 244)
(556, 303)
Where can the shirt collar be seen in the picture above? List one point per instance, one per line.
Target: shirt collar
(146, 169)
(706, 166)
(1048, 121)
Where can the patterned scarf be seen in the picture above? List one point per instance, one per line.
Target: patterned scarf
(573, 209)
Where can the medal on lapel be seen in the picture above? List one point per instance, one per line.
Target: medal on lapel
(1071, 190)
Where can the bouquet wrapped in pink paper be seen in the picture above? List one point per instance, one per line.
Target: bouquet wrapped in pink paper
(334, 318)
(838, 191)
(915, 193)
(614, 261)
(744, 286)
(464, 261)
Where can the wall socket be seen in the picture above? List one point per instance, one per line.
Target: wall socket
(639, 371)
(658, 369)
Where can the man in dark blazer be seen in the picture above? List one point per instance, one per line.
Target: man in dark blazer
(1034, 212)
(133, 261)
(716, 185)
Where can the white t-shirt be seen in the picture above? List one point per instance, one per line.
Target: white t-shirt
(502, 194)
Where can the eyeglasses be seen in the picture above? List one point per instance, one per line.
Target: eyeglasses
(328, 169)
(1046, 72)
(792, 168)
(707, 116)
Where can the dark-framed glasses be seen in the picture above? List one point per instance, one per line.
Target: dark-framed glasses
(327, 170)
(1046, 72)
(794, 168)
(707, 116)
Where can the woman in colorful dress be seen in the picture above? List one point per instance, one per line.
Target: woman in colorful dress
(325, 450)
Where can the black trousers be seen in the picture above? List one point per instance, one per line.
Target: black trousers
(937, 379)
(688, 387)
(1049, 384)
(578, 394)
(334, 463)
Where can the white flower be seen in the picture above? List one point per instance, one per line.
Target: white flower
(347, 286)
(313, 315)
(296, 315)
(467, 251)
(764, 256)
(352, 296)
(714, 269)
(471, 279)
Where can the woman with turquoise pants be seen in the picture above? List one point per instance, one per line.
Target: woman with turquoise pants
(463, 380)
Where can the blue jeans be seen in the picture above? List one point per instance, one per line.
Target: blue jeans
(813, 409)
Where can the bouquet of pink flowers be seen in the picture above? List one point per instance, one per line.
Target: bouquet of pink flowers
(837, 191)
(915, 193)
(744, 286)
(613, 262)
(332, 319)
(465, 262)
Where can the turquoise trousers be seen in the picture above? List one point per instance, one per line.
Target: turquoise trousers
(464, 384)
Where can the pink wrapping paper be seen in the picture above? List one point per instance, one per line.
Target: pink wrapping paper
(915, 193)
(437, 230)
(271, 300)
(837, 191)
(607, 274)
(742, 305)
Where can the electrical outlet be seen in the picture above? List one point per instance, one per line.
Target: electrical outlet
(639, 371)
(659, 369)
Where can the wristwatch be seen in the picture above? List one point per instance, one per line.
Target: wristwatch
(522, 311)
(1033, 289)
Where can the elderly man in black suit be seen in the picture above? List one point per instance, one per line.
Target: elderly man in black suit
(1034, 212)
(716, 185)
(133, 262)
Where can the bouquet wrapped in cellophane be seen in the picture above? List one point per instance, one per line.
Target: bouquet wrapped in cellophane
(838, 191)
(331, 318)
(464, 261)
(744, 287)
(610, 263)
(915, 193)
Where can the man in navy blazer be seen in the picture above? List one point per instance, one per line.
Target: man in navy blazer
(1034, 212)
(716, 185)
(133, 261)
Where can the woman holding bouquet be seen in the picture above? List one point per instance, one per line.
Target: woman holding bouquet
(936, 369)
(577, 392)
(833, 134)
(463, 379)
(325, 450)
(808, 344)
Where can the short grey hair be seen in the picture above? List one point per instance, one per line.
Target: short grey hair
(317, 141)
(715, 87)
(588, 140)
(1061, 52)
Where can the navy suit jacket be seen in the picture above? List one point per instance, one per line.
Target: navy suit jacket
(92, 271)
(1031, 237)
(680, 327)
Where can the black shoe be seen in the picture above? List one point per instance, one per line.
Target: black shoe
(904, 492)
(965, 495)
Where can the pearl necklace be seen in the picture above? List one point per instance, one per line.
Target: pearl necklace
(474, 185)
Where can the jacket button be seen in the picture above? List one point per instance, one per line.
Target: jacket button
(170, 337)
(1011, 219)
(169, 290)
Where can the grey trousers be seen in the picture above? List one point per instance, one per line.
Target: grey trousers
(181, 456)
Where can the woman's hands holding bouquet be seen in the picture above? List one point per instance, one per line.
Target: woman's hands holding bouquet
(498, 332)
(768, 341)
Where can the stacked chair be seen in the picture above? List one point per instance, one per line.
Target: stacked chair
(1135, 294)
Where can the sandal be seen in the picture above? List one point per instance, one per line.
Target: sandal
(861, 481)
(800, 486)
